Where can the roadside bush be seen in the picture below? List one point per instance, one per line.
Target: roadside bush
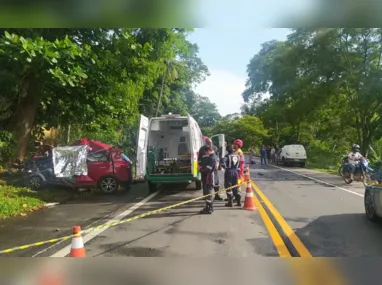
(6, 146)
(375, 155)
(321, 155)
(17, 200)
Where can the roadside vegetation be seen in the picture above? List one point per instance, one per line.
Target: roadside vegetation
(325, 92)
(321, 88)
(59, 85)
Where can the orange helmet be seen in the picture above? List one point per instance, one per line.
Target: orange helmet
(238, 142)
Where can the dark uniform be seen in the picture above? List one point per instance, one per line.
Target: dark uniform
(216, 181)
(231, 164)
(207, 170)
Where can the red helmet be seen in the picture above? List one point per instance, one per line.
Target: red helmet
(238, 142)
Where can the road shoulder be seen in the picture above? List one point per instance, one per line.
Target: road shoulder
(58, 221)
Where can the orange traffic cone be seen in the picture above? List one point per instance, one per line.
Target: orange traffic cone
(246, 175)
(78, 249)
(249, 203)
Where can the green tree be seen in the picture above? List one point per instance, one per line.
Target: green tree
(324, 84)
(248, 128)
(205, 112)
(95, 81)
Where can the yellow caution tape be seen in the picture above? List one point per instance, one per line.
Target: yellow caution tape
(111, 224)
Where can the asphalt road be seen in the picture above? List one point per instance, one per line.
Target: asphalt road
(326, 214)
(300, 213)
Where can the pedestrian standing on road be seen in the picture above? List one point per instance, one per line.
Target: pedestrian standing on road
(251, 155)
(207, 170)
(268, 150)
(231, 164)
(263, 155)
(277, 151)
(273, 155)
(208, 143)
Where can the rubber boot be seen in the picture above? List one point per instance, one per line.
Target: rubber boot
(238, 200)
(208, 209)
(217, 196)
(229, 201)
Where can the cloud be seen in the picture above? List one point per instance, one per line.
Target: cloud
(223, 88)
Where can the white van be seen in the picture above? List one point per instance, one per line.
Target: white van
(168, 148)
(293, 154)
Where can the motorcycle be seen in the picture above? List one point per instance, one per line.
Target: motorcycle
(362, 172)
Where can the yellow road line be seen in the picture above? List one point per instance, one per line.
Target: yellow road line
(297, 243)
(275, 236)
(317, 271)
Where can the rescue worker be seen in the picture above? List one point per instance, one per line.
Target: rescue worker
(263, 155)
(208, 143)
(237, 145)
(207, 170)
(231, 164)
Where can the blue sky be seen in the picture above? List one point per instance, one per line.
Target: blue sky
(226, 52)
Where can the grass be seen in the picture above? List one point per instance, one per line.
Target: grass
(15, 201)
(322, 166)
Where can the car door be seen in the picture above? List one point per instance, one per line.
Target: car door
(143, 132)
(101, 166)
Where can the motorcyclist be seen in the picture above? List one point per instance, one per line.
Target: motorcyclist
(353, 159)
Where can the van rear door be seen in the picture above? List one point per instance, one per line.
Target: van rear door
(142, 147)
(195, 145)
(219, 142)
(297, 151)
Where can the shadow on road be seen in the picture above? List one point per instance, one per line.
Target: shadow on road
(344, 235)
(138, 252)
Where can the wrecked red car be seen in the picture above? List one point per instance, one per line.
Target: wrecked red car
(84, 164)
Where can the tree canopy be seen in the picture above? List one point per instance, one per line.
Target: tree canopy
(93, 82)
(324, 86)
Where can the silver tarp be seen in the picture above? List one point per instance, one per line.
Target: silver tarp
(70, 160)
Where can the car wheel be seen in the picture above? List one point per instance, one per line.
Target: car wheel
(153, 187)
(302, 164)
(108, 185)
(369, 207)
(34, 182)
(198, 185)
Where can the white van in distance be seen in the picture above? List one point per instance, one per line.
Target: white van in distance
(293, 154)
(168, 148)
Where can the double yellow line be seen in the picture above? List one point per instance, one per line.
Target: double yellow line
(275, 235)
(316, 271)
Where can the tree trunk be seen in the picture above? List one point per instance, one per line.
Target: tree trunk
(160, 95)
(23, 119)
(277, 134)
(68, 135)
